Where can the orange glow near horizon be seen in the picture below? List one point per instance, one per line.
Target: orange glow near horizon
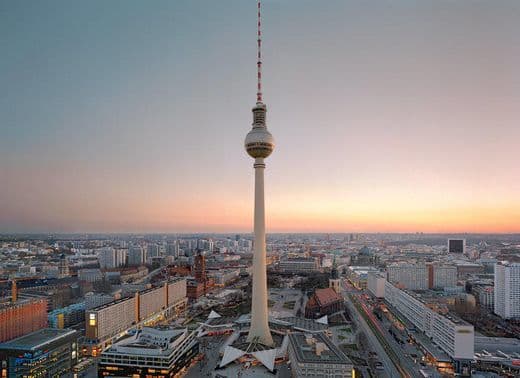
(387, 116)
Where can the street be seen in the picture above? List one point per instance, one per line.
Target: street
(389, 367)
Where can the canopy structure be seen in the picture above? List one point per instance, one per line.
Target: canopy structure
(323, 320)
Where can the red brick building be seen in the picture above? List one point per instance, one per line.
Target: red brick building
(323, 302)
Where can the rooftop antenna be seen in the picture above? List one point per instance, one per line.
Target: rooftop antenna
(259, 62)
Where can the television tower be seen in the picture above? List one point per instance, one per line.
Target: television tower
(259, 144)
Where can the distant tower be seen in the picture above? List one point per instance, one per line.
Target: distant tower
(334, 280)
(259, 144)
(200, 269)
(14, 291)
(63, 268)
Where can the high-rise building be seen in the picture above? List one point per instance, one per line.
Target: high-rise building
(63, 268)
(422, 276)
(507, 290)
(453, 335)
(172, 248)
(456, 245)
(259, 144)
(152, 251)
(376, 284)
(107, 258)
(136, 256)
(121, 254)
(485, 296)
(413, 277)
(442, 276)
(199, 268)
(111, 257)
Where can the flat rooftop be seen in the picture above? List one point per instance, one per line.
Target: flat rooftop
(7, 303)
(306, 353)
(37, 339)
(302, 324)
(508, 345)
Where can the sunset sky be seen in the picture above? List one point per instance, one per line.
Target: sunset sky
(130, 116)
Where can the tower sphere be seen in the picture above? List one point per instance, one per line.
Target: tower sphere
(259, 143)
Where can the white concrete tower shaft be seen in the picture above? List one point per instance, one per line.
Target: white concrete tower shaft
(259, 144)
(259, 330)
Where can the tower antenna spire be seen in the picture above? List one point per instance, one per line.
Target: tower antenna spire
(259, 61)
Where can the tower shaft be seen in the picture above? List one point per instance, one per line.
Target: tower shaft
(259, 331)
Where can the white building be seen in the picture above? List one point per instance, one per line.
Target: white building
(314, 355)
(376, 284)
(444, 276)
(150, 351)
(451, 334)
(413, 277)
(299, 265)
(152, 251)
(93, 300)
(136, 256)
(111, 258)
(507, 290)
(223, 277)
(90, 275)
(485, 294)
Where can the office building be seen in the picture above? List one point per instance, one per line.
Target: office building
(358, 275)
(136, 256)
(298, 265)
(507, 290)
(457, 245)
(110, 258)
(151, 305)
(152, 251)
(408, 276)
(172, 249)
(441, 276)
(90, 275)
(47, 352)
(225, 276)
(199, 268)
(376, 284)
(22, 317)
(453, 335)
(422, 276)
(314, 355)
(66, 317)
(485, 296)
(151, 352)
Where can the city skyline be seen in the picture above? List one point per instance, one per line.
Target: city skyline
(396, 118)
